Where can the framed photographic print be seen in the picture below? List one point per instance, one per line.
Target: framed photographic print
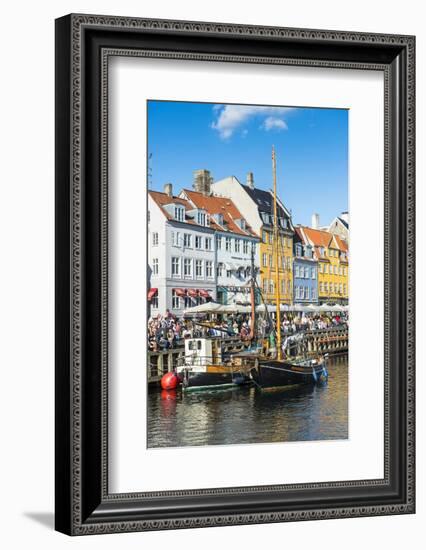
(234, 274)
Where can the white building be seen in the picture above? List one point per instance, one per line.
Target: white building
(181, 254)
(340, 226)
(235, 243)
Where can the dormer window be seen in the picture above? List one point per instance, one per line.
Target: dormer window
(201, 218)
(179, 213)
(218, 218)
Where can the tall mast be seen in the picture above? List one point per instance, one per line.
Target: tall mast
(252, 295)
(276, 251)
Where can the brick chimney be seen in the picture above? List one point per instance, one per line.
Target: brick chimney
(202, 182)
(168, 189)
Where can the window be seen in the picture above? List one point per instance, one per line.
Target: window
(264, 260)
(320, 268)
(209, 269)
(245, 247)
(336, 288)
(198, 242)
(341, 288)
(219, 270)
(313, 274)
(187, 240)
(237, 245)
(283, 286)
(306, 293)
(326, 287)
(271, 286)
(155, 266)
(175, 300)
(154, 302)
(228, 244)
(155, 239)
(179, 213)
(265, 285)
(187, 267)
(321, 287)
(219, 243)
(335, 269)
(264, 237)
(326, 268)
(201, 218)
(340, 270)
(229, 273)
(187, 302)
(198, 268)
(296, 271)
(313, 293)
(175, 267)
(208, 242)
(175, 238)
(345, 290)
(345, 271)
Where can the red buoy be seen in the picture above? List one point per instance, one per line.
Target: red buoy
(169, 381)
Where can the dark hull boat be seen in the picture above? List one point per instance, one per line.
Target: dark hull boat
(274, 373)
(192, 380)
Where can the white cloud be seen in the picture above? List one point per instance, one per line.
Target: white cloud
(274, 123)
(230, 117)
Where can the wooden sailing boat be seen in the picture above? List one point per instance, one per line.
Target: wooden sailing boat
(269, 373)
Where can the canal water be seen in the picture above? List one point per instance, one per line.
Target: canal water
(248, 415)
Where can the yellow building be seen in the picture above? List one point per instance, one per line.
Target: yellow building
(333, 265)
(268, 267)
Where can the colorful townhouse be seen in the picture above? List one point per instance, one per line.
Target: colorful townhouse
(305, 270)
(235, 244)
(256, 206)
(181, 254)
(331, 253)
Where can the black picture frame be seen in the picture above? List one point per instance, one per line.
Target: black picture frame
(83, 45)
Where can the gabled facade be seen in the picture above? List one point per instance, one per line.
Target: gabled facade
(331, 252)
(256, 205)
(235, 242)
(305, 270)
(340, 226)
(181, 254)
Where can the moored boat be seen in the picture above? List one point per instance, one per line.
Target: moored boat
(278, 373)
(204, 367)
(289, 370)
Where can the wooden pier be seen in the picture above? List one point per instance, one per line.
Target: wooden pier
(331, 340)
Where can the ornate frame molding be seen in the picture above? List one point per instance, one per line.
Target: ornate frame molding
(76, 511)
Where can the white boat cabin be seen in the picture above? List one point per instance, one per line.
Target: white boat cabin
(200, 353)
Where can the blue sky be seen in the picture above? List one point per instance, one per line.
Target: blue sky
(311, 147)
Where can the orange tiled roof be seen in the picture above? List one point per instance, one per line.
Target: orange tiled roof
(341, 243)
(163, 198)
(220, 205)
(318, 237)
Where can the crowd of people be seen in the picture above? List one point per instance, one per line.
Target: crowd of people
(167, 331)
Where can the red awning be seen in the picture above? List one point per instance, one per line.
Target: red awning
(204, 293)
(180, 292)
(192, 292)
(151, 293)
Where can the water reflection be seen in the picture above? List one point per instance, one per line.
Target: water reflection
(247, 415)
